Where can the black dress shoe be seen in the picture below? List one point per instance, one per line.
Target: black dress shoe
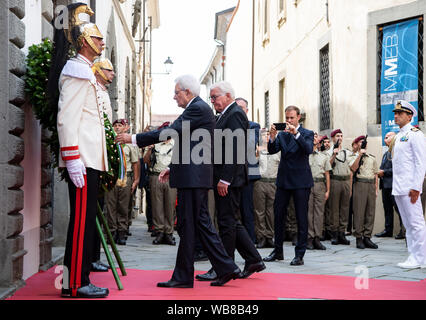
(168, 239)
(89, 291)
(370, 244)
(384, 234)
(360, 243)
(318, 245)
(252, 268)
(175, 284)
(269, 243)
(97, 267)
(310, 245)
(261, 243)
(208, 276)
(297, 261)
(341, 239)
(274, 256)
(226, 277)
(400, 236)
(201, 256)
(159, 239)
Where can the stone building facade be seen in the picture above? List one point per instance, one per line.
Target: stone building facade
(34, 206)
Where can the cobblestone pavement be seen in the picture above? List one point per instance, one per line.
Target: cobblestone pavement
(140, 253)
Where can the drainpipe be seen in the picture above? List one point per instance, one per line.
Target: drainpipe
(252, 61)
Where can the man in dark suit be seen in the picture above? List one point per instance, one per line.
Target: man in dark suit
(247, 207)
(389, 203)
(230, 176)
(294, 179)
(192, 179)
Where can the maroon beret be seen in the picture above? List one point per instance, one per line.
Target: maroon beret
(121, 121)
(323, 138)
(333, 133)
(358, 139)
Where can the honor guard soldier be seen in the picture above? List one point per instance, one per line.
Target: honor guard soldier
(320, 167)
(365, 190)
(340, 189)
(82, 143)
(409, 165)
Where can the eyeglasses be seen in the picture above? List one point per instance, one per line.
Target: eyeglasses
(177, 92)
(213, 98)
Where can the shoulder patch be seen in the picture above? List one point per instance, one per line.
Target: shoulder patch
(415, 129)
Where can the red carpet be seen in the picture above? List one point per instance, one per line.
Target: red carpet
(141, 285)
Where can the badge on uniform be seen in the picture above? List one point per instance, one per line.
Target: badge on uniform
(404, 139)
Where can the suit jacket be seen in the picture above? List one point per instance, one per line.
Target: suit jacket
(386, 166)
(235, 173)
(294, 171)
(184, 172)
(253, 168)
(80, 119)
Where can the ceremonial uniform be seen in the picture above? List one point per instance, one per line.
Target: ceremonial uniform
(320, 164)
(364, 195)
(409, 164)
(81, 135)
(340, 194)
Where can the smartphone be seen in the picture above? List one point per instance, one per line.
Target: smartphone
(280, 126)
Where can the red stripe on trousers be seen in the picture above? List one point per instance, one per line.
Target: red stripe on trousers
(73, 270)
(81, 234)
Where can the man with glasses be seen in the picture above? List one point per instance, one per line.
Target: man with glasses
(230, 177)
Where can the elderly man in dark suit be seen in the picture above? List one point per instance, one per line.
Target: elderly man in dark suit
(294, 179)
(192, 178)
(230, 176)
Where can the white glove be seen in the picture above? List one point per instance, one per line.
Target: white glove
(76, 170)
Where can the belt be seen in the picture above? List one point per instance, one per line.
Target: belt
(270, 180)
(154, 173)
(319, 179)
(340, 178)
(366, 180)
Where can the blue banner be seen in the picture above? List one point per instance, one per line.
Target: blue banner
(399, 78)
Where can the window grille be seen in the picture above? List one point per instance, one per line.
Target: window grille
(267, 109)
(324, 89)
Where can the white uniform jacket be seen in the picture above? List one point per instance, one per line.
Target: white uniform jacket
(80, 119)
(409, 161)
(104, 101)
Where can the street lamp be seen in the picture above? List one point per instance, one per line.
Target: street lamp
(168, 65)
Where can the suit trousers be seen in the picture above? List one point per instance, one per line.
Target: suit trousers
(193, 221)
(364, 204)
(81, 230)
(233, 234)
(247, 209)
(263, 200)
(163, 200)
(389, 205)
(316, 210)
(339, 204)
(301, 200)
(414, 222)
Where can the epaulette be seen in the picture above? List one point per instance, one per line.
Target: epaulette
(415, 129)
(76, 69)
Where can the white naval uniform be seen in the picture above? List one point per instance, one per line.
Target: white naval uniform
(409, 165)
(104, 101)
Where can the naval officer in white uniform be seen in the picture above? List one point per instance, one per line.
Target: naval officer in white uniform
(409, 165)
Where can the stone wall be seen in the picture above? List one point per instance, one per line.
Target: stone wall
(12, 68)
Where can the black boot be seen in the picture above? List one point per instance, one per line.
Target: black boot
(334, 240)
(261, 243)
(370, 244)
(318, 245)
(159, 238)
(121, 240)
(400, 235)
(360, 243)
(310, 245)
(342, 239)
